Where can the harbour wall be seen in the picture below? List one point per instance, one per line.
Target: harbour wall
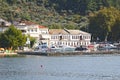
(68, 53)
(9, 55)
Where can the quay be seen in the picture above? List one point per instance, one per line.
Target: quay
(68, 53)
(8, 55)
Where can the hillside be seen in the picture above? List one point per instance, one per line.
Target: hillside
(53, 13)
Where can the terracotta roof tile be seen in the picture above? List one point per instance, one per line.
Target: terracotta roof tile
(62, 31)
(77, 32)
(57, 31)
(42, 26)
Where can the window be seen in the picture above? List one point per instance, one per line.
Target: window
(52, 37)
(63, 37)
(72, 37)
(56, 37)
(23, 30)
(80, 37)
(60, 37)
(31, 30)
(77, 37)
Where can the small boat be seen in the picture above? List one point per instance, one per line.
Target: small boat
(55, 48)
(61, 48)
(68, 48)
(41, 48)
(106, 47)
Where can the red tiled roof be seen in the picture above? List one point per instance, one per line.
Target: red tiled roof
(42, 26)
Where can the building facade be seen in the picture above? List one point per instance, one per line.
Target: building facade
(44, 35)
(29, 28)
(40, 33)
(4, 25)
(52, 36)
(69, 37)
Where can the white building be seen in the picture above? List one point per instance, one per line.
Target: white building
(69, 37)
(44, 35)
(40, 33)
(4, 25)
(29, 28)
(52, 36)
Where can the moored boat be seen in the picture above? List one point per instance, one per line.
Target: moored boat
(106, 47)
(62, 48)
(41, 48)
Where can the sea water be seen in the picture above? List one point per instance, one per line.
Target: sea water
(81, 67)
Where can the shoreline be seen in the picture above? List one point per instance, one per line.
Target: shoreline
(68, 53)
(23, 53)
(3, 55)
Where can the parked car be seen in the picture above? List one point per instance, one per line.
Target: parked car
(81, 48)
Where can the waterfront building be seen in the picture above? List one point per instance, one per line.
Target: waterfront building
(28, 28)
(40, 33)
(69, 37)
(44, 35)
(4, 25)
(51, 36)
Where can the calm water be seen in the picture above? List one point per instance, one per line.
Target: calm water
(92, 67)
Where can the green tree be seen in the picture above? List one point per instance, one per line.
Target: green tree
(92, 6)
(101, 24)
(25, 16)
(4, 41)
(12, 38)
(84, 22)
(32, 41)
(55, 26)
(70, 26)
(116, 31)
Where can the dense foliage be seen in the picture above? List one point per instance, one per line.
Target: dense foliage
(71, 14)
(105, 24)
(12, 38)
(50, 12)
